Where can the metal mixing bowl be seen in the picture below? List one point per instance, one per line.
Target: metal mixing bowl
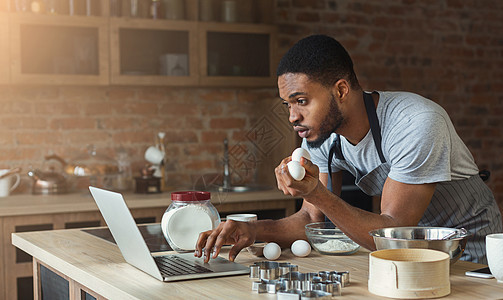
(449, 240)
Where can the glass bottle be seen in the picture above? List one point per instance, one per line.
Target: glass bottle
(229, 11)
(156, 9)
(89, 8)
(133, 8)
(124, 177)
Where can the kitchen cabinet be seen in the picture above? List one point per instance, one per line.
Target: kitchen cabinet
(59, 49)
(241, 54)
(22, 213)
(99, 49)
(4, 48)
(17, 265)
(153, 52)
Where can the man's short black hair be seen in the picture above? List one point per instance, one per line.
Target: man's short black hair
(321, 58)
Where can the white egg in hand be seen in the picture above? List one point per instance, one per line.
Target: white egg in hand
(301, 248)
(272, 251)
(296, 170)
(300, 152)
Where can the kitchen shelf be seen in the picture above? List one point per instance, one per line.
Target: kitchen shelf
(153, 52)
(48, 49)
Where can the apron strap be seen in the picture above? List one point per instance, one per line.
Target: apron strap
(374, 124)
(330, 157)
(336, 149)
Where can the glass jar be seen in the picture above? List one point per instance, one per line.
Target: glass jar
(123, 181)
(156, 10)
(229, 11)
(189, 214)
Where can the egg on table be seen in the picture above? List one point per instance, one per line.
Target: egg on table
(272, 251)
(301, 248)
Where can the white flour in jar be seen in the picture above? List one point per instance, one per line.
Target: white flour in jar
(183, 225)
(335, 246)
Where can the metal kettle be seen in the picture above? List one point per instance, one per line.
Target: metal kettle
(48, 183)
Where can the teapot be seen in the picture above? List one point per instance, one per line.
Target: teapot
(48, 182)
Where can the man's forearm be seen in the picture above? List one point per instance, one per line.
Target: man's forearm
(353, 221)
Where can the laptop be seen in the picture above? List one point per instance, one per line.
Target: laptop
(165, 267)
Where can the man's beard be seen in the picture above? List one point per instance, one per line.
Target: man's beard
(332, 121)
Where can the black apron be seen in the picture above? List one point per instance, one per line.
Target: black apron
(467, 203)
(367, 182)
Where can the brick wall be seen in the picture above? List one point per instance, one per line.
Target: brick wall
(37, 121)
(450, 51)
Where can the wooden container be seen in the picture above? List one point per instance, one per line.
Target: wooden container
(409, 273)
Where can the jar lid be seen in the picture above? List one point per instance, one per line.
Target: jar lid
(190, 196)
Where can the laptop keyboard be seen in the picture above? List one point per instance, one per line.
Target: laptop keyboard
(171, 265)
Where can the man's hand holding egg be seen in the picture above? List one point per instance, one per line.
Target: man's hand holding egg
(297, 178)
(294, 167)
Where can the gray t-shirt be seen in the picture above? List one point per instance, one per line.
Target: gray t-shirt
(420, 146)
(418, 140)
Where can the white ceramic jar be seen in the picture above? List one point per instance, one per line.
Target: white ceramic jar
(189, 214)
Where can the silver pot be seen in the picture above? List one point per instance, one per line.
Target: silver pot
(449, 240)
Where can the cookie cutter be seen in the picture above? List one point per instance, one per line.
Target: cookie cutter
(270, 269)
(342, 277)
(266, 286)
(303, 282)
(332, 287)
(306, 295)
(287, 282)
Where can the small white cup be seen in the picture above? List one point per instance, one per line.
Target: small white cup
(6, 184)
(154, 155)
(256, 249)
(494, 252)
(242, 217)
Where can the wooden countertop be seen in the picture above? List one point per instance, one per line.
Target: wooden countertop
(98, 265)
(80, 202)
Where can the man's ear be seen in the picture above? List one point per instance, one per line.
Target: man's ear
(341, 90)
